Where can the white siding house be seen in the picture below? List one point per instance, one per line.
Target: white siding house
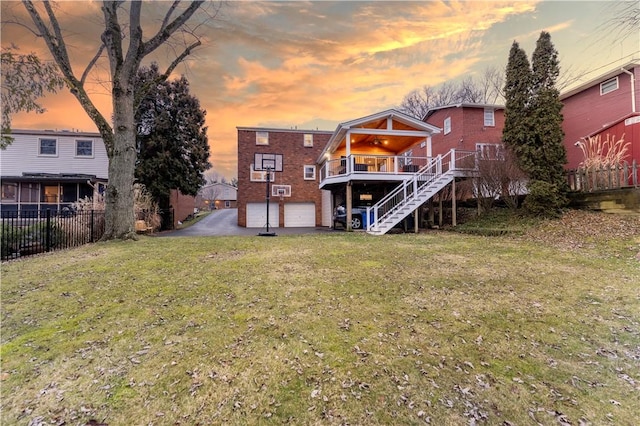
(217, 196)
(46, 169)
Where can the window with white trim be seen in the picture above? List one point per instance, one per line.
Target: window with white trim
(309, 172)
(262, 138)
(609, 86)
(490, 151)
(48, 147)
(308, 140)
(260, 175)
(447, 125)
(84, 148)
(227, 204)
(489, 117)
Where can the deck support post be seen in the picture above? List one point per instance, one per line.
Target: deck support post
(348, 206)
(453, 203)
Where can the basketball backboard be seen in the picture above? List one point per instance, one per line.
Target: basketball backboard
(264, 162)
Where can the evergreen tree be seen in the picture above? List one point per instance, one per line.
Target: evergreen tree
(172, 143)
(517, 91)
(546, 117)
(533, 124)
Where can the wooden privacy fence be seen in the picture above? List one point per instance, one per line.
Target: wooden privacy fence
(604, 177)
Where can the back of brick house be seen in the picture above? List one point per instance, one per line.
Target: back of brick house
(295, 199)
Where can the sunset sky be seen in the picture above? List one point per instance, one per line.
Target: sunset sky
(316, 64)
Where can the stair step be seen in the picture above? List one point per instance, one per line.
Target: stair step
(429, 188)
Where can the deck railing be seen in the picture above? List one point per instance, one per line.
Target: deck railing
(359, 163)
(454, 160)
(604, 178)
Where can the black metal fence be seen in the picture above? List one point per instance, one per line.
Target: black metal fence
(26, 233)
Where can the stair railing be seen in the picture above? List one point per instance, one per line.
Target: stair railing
(409, 189)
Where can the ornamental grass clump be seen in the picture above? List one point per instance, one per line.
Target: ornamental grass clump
(599, 154)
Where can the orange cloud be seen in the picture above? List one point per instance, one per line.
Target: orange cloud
(283, 64)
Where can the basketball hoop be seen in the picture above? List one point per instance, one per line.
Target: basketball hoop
(268, 163)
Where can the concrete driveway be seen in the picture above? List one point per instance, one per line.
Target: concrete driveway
(224, 222)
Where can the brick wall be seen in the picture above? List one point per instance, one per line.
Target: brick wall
(467, 129)
(182, 205)
(289, 143)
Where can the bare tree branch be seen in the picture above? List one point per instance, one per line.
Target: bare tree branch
(91, 64)
(169, 13)
(58, 50)
(166, 31)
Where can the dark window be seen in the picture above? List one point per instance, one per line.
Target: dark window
(29, 192)
(48, 147)
(84, 148)
(69, 192)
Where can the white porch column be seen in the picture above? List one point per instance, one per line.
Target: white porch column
(429, 146)
(348, 143)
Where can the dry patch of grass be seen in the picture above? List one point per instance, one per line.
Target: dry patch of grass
(325, 329)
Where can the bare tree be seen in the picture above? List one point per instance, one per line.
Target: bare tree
(626, 19)
(498, 177)
(487, 90)
(125, 47)
(492, 85)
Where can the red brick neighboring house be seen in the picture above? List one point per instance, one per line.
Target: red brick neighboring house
(183, 206)
(295, 200)
(466, 126)
(606, 105)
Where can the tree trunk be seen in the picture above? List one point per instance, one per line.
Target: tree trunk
(119, 200)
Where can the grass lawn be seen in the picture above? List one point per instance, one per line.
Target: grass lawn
(338, 328)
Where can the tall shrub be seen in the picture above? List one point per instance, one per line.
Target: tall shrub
(533, 124)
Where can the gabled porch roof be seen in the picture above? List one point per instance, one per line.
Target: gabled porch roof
(397, 129)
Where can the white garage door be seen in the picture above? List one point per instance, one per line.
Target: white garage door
(298, 215)
(257, 215)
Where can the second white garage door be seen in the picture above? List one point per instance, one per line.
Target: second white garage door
(257, 215)
(297, 215)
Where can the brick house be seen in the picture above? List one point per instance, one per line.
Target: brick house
(605, 105)
(359, 164)
(382, 168)
(47, 169)
(467, 126)
(295, 200)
